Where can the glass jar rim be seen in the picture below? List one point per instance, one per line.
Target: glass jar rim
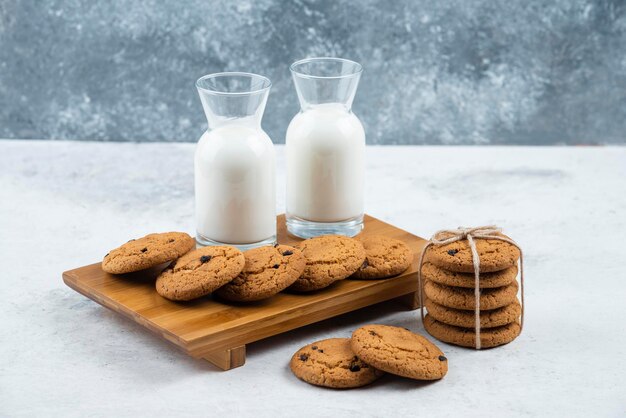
(266, 83)
(358, 68)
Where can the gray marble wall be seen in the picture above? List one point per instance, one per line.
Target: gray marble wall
(436, 72)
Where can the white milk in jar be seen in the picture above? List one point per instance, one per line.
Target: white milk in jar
(325, 150)
(325, 164)
(235, 164)
(234, 185)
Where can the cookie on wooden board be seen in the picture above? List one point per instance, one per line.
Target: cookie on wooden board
(200, 272)
(329, 258)
(452, 278)
(384, 257)
(332, 363)
(149, 251)
(465, 318)
(466, 337)
(463, 298)
(399, 351)
(267, 271)
(494, 255)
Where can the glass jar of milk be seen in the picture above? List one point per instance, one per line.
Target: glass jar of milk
(235, 164)
(325, 149)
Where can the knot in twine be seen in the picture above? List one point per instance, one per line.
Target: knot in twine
(448, 236)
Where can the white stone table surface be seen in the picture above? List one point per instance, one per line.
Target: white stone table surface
(65, 204)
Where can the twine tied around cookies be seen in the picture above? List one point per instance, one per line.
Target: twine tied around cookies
(448, 236)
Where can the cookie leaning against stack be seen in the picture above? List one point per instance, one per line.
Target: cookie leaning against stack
(448, 285)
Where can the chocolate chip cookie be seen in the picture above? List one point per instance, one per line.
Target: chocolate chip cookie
(328, 258)
(466, 337)
(494, 255)
(200, 272)
(465, 318)
(399, 351)
(384, 257)
(463, 298)
(267, 271)
(452, 278)
(331, 363)
(146, 252)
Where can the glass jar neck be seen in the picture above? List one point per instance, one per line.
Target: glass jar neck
(233, 98)
(326, 80)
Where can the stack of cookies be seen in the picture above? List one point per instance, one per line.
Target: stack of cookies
(260, 273)
(372, 350)
(448, 287)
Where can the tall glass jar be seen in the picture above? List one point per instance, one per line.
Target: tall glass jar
(235, 163)
(325, 148)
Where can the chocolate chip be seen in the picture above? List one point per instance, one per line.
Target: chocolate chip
(275, 266)
(314, 347)
(107, 255)
(304, 357)
(143, 250)
(130, 240)
(408, 329)
(288, 252)
(452, 252)
(171, 240)
(374, 334)
(442, 358)
(364, 265)
(276, 245)
(355, 367)
(320, 350)
(205, 259)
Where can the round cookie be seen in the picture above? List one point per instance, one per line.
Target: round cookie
(146, 252)
(267, 271)
(200, 272)
(494, 255)
(332, 363)
(466, 337)
(328, 258)
(399, 351)
(463, 318)
(463, 298)
(384, 257)
(452, 278)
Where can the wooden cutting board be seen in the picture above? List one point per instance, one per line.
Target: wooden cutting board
(218, 331)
